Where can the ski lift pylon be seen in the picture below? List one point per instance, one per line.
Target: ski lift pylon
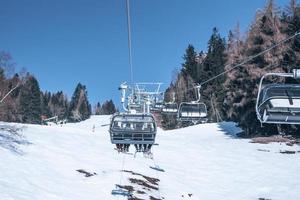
(279, 103)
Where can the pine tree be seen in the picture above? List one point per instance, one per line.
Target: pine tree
(30, 101)
(213, 92)
(108, 108)
(59, 105)
(80, 108)
(190, 64)
(46, 96)
(98, 109)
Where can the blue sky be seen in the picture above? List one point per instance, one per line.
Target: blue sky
(63, 42)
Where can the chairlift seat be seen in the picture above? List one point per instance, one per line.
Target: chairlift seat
(279, 104)
(170, 109)
(157, 107)
(192, 112)
(132, 129)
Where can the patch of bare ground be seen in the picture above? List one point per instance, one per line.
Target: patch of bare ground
(153, 181)
(289, 152)
(276, 138)
(263, 150)
(126, 187)
(86, 173)
(142, 183)
(134, 198)
(153, 198)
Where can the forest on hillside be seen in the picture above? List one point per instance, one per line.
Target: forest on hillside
(28, 104)
(232, 97)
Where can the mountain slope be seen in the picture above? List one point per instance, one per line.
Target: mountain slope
(200, 162)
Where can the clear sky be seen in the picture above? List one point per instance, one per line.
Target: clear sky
(63, 42)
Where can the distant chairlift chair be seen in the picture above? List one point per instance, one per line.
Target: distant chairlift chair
(170, 108)
(157, 106)
(279, 103)
(194, 111)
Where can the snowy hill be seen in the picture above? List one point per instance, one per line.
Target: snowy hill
(200, 162)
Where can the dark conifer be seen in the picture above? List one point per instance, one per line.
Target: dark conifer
(30, 101)
(79, 109)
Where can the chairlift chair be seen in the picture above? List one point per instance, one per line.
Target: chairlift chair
(194, 111)
(170, 108)
(137, 129)
(279, 103)
(157, 104)
(157, 107)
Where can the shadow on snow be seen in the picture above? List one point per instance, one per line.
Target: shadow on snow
(11, 139)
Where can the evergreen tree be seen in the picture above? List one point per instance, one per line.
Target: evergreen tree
(59, 105)
(30, 101)
(98, 109)
(213, 92)
(190, 64)
(45, 105)
(108, 108)
(80, 108)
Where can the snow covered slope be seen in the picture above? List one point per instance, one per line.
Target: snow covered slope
(200, 162)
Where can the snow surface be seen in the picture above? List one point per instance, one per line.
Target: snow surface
(205, 160)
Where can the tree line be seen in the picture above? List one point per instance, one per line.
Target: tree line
(232, 96)
(28, 104)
